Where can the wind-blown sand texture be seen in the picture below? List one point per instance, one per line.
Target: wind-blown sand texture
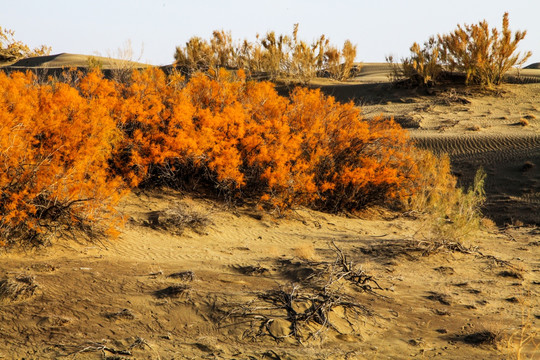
(216, 288)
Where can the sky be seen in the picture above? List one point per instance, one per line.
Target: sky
(155, 27)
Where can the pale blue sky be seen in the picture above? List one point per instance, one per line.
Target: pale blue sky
(378, 27)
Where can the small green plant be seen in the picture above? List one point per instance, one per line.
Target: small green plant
(460, 216)
(452, 215)
(94, 63)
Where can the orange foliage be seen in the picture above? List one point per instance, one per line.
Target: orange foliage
(54, 148)
(67, 151)
(243, 138)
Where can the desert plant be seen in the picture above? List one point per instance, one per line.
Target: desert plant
(422, 68)
(11, 49)
(55, 144)
(122, 62)
(338, 63)
(453, 214)
(484, 55)
(302, 63)
(196, 55)
(243, 139)
(275, 56)
(349, 55)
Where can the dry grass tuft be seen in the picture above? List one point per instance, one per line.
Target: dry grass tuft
(525, 339)
(177, 219)
(124, 314)
(488, 224)
(306, 252)
(18, 289)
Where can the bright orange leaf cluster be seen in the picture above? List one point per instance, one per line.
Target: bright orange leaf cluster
(55, 144)
(245, 139)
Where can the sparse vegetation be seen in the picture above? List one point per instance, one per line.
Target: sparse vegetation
(277, 57)
(11, 49)
(17, 289)
(481, 54)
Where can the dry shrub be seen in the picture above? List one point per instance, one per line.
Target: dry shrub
(121, 62)
(11, 49)
(452, 215)
(305, 252)
(339, 64)
(524, 341)
(55, 144)
(276, 56)
(20, 288)
(177, 219)
(483, 55)
(196, 55)
(422, 68)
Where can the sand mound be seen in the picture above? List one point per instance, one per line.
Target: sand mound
(533, 66)
(65, 60)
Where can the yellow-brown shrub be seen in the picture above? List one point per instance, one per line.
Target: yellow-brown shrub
(483, 55)
(279, 57)
(11, 49)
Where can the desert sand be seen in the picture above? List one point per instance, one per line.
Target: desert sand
(191, 278)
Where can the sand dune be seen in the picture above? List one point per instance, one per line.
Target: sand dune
(65, 60)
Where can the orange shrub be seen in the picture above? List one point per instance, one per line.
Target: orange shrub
(244, 139)
(54, 149)
(67, 151)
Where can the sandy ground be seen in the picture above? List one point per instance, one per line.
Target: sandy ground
(242, 284)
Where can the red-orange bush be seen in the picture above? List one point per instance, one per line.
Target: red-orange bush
(55, 145)
(67, 150)
(245, 139)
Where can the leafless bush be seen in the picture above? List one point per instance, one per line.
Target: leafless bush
(305, 313)
(20, 288)
(177, 219)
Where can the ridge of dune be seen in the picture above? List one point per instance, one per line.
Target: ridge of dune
(66, 60)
